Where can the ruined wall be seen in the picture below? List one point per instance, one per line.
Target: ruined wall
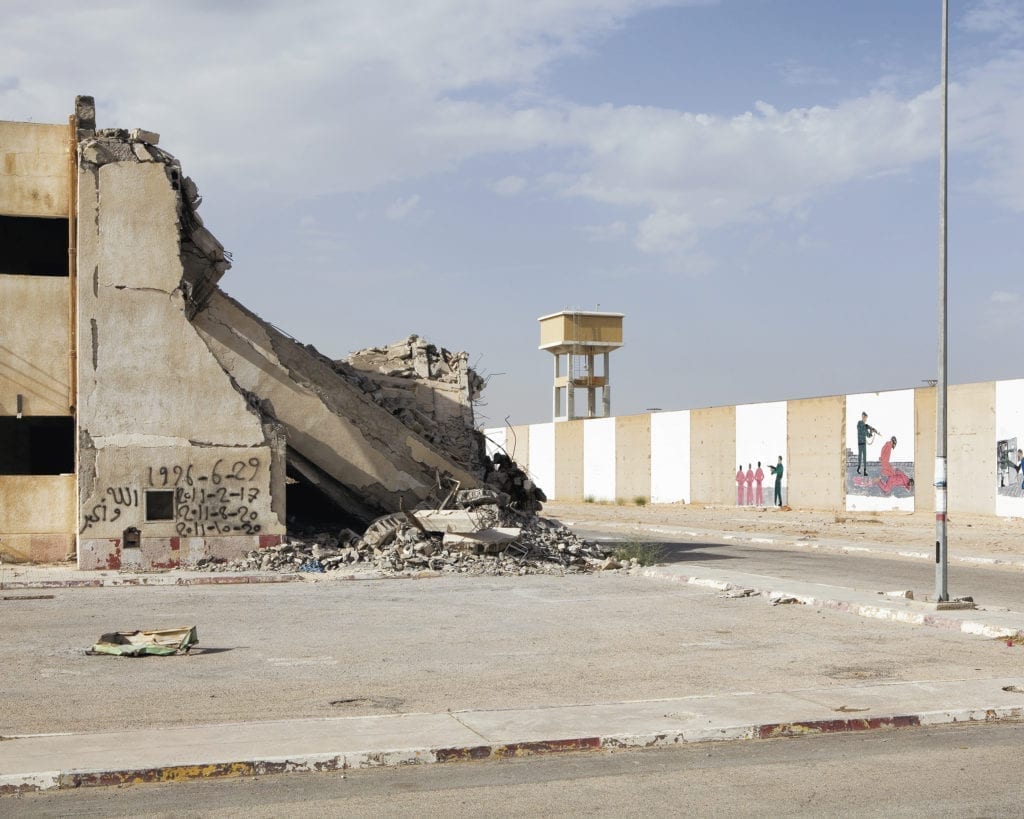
(431, 390)
(377, 460)
(34, 170)
(168, 444)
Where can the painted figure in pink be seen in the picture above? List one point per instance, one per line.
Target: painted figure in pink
(892, 478)
(758, 478)
(750, 485)
(741, 477)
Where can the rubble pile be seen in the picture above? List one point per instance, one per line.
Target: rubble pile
(430, 389)
(505, 476)
(481, 534)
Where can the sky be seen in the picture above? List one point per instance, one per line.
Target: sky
(754, 184)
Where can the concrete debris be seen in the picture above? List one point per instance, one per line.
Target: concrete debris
(504, 475)
(781, 599)
(428, 388)
(489, 537)
(738, 593)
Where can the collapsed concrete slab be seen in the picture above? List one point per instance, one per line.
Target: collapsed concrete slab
(376, 463)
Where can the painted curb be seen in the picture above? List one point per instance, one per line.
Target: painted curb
(155, 580)
(12, 784)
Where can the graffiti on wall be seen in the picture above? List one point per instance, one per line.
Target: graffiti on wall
(114, 501)
(880, 451)
(223, 500)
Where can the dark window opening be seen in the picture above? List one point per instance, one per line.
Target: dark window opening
(37, 445)
(30, 246)
(159, 504)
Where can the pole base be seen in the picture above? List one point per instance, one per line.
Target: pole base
(958, 603)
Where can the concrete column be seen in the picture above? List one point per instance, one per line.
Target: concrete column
(554, 392)
(606, 393)
(591, 390)
(570, 397)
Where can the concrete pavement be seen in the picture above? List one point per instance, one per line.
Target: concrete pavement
(48, 761)
(171, 753)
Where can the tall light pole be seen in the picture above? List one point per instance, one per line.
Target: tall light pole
(941, 553)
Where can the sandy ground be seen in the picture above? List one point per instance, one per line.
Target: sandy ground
(975, 534)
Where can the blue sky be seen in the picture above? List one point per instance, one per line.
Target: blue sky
(753, 183)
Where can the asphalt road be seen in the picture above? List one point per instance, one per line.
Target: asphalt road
(933, 772)
(989, 587)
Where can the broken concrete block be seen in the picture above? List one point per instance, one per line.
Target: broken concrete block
(447, 520)
(484, 537)
(140, 135)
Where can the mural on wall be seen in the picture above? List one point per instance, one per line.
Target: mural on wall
(760, 441)
(1009, 475)
(880, 451)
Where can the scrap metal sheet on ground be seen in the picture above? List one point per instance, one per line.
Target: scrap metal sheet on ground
(140, 643)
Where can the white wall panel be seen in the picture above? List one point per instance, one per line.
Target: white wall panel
(542, 457)
(670, 457)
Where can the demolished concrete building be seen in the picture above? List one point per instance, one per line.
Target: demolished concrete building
(149, 420)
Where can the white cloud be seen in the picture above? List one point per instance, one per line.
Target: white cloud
(1001, 17)
(613, 231)
(509, 185)
(796, 73)
(666, 232)
(1004, 297)
(402, 207)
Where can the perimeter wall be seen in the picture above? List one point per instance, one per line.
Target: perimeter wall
(693, 456)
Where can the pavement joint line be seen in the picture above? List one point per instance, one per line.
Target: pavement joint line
(394, 754)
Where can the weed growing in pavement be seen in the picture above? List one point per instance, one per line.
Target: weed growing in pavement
(640, 500)
(646, 554)
(589, 499)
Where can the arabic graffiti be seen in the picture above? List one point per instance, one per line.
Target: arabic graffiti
(222, 500)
